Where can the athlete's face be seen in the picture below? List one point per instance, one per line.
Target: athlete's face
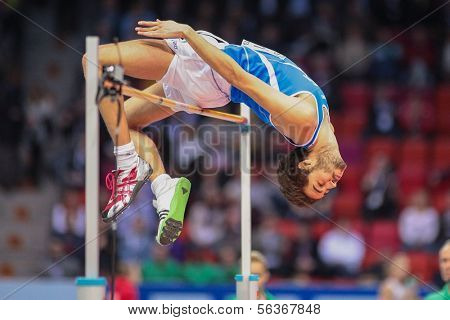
(322, 181)
(444, 263)
(259, 269)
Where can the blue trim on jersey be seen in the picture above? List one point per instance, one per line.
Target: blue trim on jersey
(280, 73)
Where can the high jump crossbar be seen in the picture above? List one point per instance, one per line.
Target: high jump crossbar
(181, 106)
(91, 286)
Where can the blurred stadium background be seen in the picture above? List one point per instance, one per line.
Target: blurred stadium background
(390, 111)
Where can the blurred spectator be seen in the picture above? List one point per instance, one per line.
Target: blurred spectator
(419, 223)
(398, 285)
(386, 12)
(268, 8)
(299, 8)
(341, 250)
(386, 57)
(138, 11)
(134, 244)
(420, 57)
(379, 187)
(205, 14)
(358, 9)
(161, 268)
(68, 215)
(136, 229)
(12, 122)
(269, 241)
(232, 225)
(124, 287)
(444, 266)
(263, 194)
(173, 9)
(107, 23)
(351, 50)
(322, 69)
(324, 22)
(39, 110)
(259, 267)
(417, 116)
(383, 114)
(302, 253)
(272, 37)
(228, 261)
(206, 220)
(67, 224)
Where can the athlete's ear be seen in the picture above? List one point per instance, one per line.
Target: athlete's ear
(306, 164)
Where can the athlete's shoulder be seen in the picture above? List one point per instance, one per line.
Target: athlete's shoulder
(299, 120)
(307, 106)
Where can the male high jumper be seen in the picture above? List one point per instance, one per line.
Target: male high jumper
(202, 69)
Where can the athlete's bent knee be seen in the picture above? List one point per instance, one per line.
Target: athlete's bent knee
(103, 57)
(133, 125)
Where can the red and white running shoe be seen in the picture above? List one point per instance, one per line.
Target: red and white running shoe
(124, 186)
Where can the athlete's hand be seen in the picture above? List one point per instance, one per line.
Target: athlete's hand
(162, 29)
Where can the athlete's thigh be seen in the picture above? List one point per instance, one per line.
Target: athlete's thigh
(143, 59)
(141, 113)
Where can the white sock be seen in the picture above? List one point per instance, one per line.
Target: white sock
(159, 183)
(126, 156)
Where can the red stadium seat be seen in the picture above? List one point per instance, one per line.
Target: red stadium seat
(352, 125)
(386, 146)
(15, 242)
(371, 258)
(351, 181)
(411, 178)
(6, 270)
(442, 114)
(438, 200)
(443, 119)
(415, 151)
(441, 154)
(383, 235)
(442, 107)
(185, 235)
(319, 228)
(434, 263)
(351, 149)
(375, 256)
(288, 228)
(355, 96)
(347, 205)
(359, 226)
(443, 97)
(422, 265)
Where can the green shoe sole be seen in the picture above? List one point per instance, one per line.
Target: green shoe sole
(170, 228)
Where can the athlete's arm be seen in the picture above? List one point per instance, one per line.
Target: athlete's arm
(277, 103)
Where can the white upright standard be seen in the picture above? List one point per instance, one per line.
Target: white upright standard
(246, 283)
(91, 286)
